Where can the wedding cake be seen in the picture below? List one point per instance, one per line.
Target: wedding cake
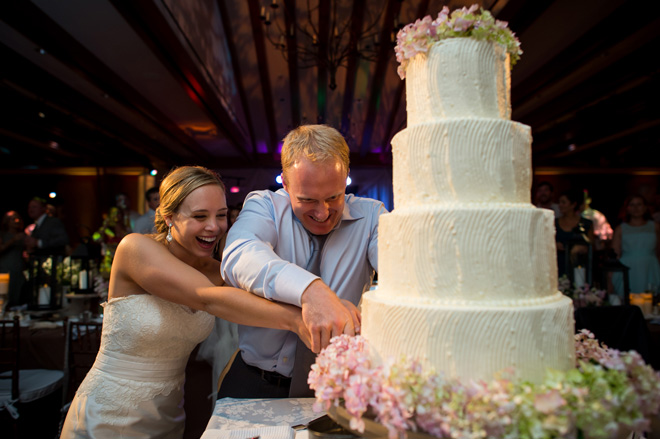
(467, 265)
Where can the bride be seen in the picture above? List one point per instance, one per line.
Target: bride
(159, 286)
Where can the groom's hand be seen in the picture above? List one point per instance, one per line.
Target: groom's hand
(324, 315)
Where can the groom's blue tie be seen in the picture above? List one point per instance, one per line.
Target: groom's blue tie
(305, 357)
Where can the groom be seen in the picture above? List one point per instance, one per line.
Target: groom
(308, 244)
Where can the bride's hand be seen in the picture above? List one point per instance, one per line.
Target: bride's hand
(302, 331)
(355, 314)
(297, 325)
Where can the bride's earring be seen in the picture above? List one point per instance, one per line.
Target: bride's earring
(168, 238)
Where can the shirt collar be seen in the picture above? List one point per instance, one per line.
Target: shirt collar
(41, 219)
(349, 214)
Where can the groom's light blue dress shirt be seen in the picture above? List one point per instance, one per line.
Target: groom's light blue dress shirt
(268, 246)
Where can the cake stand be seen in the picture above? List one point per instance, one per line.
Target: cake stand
(372, 429)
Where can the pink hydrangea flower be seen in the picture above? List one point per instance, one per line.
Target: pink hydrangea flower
(417, 38)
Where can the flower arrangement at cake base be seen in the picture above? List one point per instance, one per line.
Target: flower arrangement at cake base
(609, 393)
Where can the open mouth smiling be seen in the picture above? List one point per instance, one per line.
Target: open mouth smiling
(206, 240)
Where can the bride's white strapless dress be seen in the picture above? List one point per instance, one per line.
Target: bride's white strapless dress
(135, 387)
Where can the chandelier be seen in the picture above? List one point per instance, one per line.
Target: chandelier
(347, 30)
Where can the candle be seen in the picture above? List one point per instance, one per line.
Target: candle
(579, 276)
(44, 295)
(82, 280)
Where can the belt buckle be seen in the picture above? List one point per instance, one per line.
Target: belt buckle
(271, 378)
(266, 376)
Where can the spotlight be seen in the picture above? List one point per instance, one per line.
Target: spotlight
(153, 172)
(348, 181)
(52, 195)
(278, 179)
(234, 189)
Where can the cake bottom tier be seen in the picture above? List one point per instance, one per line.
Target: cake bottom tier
(474, 342)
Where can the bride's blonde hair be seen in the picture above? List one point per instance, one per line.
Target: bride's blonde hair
(175, 187)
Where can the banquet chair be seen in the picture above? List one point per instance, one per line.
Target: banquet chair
(83, 340)
(18, 387)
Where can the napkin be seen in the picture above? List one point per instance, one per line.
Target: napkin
(281, 432)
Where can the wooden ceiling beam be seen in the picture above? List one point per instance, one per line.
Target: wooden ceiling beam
(292, 60)
(324, 20)
(39, 28)
(422, 10)
(148, 22)
(236, 67)
(83, 115)
(351, 67)
(262, 62)
(385, 53)
(585, 72)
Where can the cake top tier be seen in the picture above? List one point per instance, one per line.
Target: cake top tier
(419, 36)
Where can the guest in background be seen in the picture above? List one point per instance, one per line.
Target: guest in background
(635, 243)
(12, 244)
(573, 232)
(164, 291)
(309, 244)
(602, 230)
(123, 203)
(145, 223)
(48, 236)
(545, 197)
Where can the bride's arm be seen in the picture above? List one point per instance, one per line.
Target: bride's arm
(144, 265)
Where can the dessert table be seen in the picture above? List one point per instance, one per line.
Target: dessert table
(263, 418)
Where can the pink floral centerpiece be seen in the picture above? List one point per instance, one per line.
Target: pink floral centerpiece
(607, 389)
(471, 22)
(582, 296)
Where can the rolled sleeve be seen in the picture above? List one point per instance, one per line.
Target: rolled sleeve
(249, 260)
(290, 284)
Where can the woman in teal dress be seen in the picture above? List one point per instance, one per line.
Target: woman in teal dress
(636, 244)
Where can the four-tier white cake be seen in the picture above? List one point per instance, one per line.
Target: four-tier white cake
(467, 265)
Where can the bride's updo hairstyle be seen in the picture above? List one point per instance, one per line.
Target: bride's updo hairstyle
(175, 187)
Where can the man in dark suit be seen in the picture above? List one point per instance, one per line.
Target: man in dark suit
(48, 236)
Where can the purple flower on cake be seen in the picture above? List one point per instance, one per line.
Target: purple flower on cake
(419, 36)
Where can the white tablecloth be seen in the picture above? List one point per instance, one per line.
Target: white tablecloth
(267, 418)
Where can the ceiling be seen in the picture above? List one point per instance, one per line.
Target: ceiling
(157, 83)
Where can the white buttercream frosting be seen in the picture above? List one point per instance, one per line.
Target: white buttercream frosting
(466, 160)
(480, 253)
(460, 77)
(473, 342)
(467, 266)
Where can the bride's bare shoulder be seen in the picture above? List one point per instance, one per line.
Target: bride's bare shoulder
(138, 244)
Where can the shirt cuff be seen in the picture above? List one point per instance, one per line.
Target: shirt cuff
(290, 284)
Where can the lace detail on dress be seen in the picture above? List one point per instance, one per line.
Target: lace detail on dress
(107, 390)
(144, 337)
(149, 327)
